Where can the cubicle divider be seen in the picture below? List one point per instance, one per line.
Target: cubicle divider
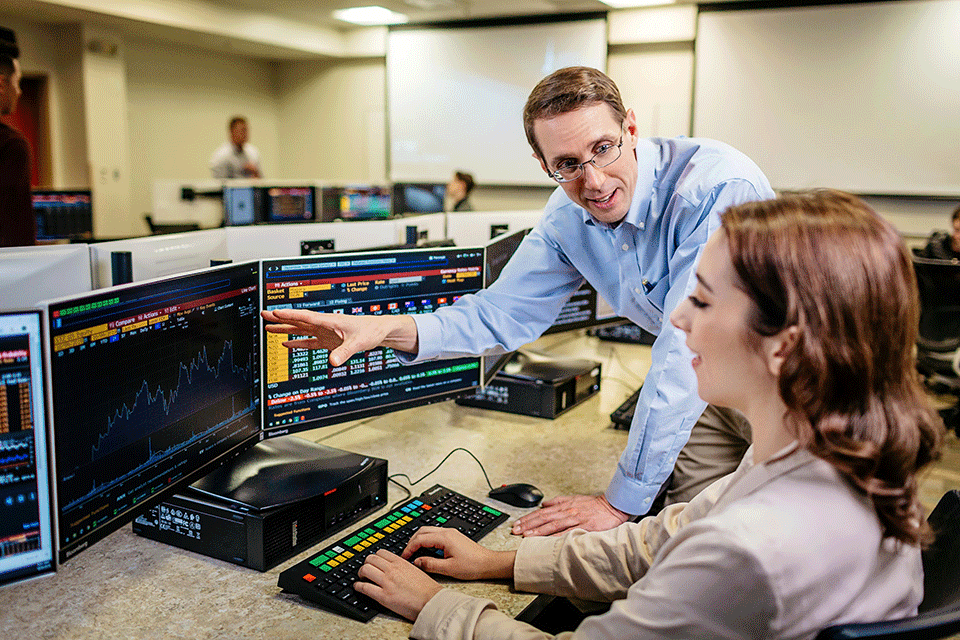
(163, 255)
(31, 274)
(283, 240)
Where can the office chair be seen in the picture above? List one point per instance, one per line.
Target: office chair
(939, 613)
(938, 342)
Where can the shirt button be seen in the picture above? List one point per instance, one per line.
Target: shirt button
(637, 291)
(646, 500)
(640, 226)
(625, 246)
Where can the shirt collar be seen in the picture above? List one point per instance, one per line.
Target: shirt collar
(751, 477)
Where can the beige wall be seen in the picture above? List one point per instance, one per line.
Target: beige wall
(332, 120)
(180, 100)
(54, 52)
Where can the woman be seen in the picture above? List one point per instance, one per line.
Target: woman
(804, 319)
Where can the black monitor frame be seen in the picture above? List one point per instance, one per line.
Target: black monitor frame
(271, 194)
(78, 225)
(434, 193)
(85, 490)
(44, 562)
(368, 191)
(261, 198)
(348, 283)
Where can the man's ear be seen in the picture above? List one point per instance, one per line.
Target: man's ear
(542, 163)
(776, 348)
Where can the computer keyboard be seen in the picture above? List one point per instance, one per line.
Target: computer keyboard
(622, 416)
(626, 332)
(327, 577)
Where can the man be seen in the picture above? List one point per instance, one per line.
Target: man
(17, 223)
(631, 216)
(237, 158)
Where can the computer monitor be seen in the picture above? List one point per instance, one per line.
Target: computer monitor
(63, 214)
(288, 204)
(364, 202)
(302, 390)
(418, 198)
(31, 274)
(496, 254)
(242, 205)
(585, 308)
(26, 515)
(151, 384)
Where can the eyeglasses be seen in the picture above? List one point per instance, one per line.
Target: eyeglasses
(568, 171)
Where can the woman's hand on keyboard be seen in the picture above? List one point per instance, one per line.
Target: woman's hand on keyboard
(462, 558)
(396, 584)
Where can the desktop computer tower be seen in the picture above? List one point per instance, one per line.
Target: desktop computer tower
(270, 503)
(543, 388)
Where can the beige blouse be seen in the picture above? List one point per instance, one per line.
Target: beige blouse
(776, 550)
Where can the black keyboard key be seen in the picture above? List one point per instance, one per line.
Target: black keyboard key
(327, 577)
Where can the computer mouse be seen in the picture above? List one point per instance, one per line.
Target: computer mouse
(519, 494)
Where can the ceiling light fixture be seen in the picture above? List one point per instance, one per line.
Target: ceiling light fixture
(626, 4)
(370, 16)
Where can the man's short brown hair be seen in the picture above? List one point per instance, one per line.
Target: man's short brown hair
(9, 51)
(566, 90)
(235, 120)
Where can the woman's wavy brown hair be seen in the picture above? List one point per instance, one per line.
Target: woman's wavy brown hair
(825, 262)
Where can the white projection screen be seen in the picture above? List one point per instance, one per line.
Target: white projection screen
(862, 97)
(455, 95)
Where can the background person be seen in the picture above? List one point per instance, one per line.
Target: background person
(18, 225)
(458, 190)
(236, 158)
(804, 318)
(945, 246)
(631, 216)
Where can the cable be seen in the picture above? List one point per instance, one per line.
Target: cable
(426, 475)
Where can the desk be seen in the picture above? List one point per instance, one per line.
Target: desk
(128, 587)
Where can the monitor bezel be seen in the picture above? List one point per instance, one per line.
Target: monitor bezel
(265, 200)
(47, 432)
(360, 414)
(65, 553)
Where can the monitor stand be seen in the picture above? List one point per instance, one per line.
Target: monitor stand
(269, 503)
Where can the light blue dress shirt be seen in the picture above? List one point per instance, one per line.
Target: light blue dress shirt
(643, 267)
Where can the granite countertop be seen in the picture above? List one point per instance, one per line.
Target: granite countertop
(128, 587)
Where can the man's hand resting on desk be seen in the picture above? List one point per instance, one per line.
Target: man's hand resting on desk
(400, 586)
(564, 513)
(343, 335)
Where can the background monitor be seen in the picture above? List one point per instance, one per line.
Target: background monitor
(585, 308)
(496, 254)
(365, 202)
(302, 390)
(288, 204)
(63, 214)
(242, 206)
(418, 198)
(150, 384)
(26, 517)
(31, 274)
